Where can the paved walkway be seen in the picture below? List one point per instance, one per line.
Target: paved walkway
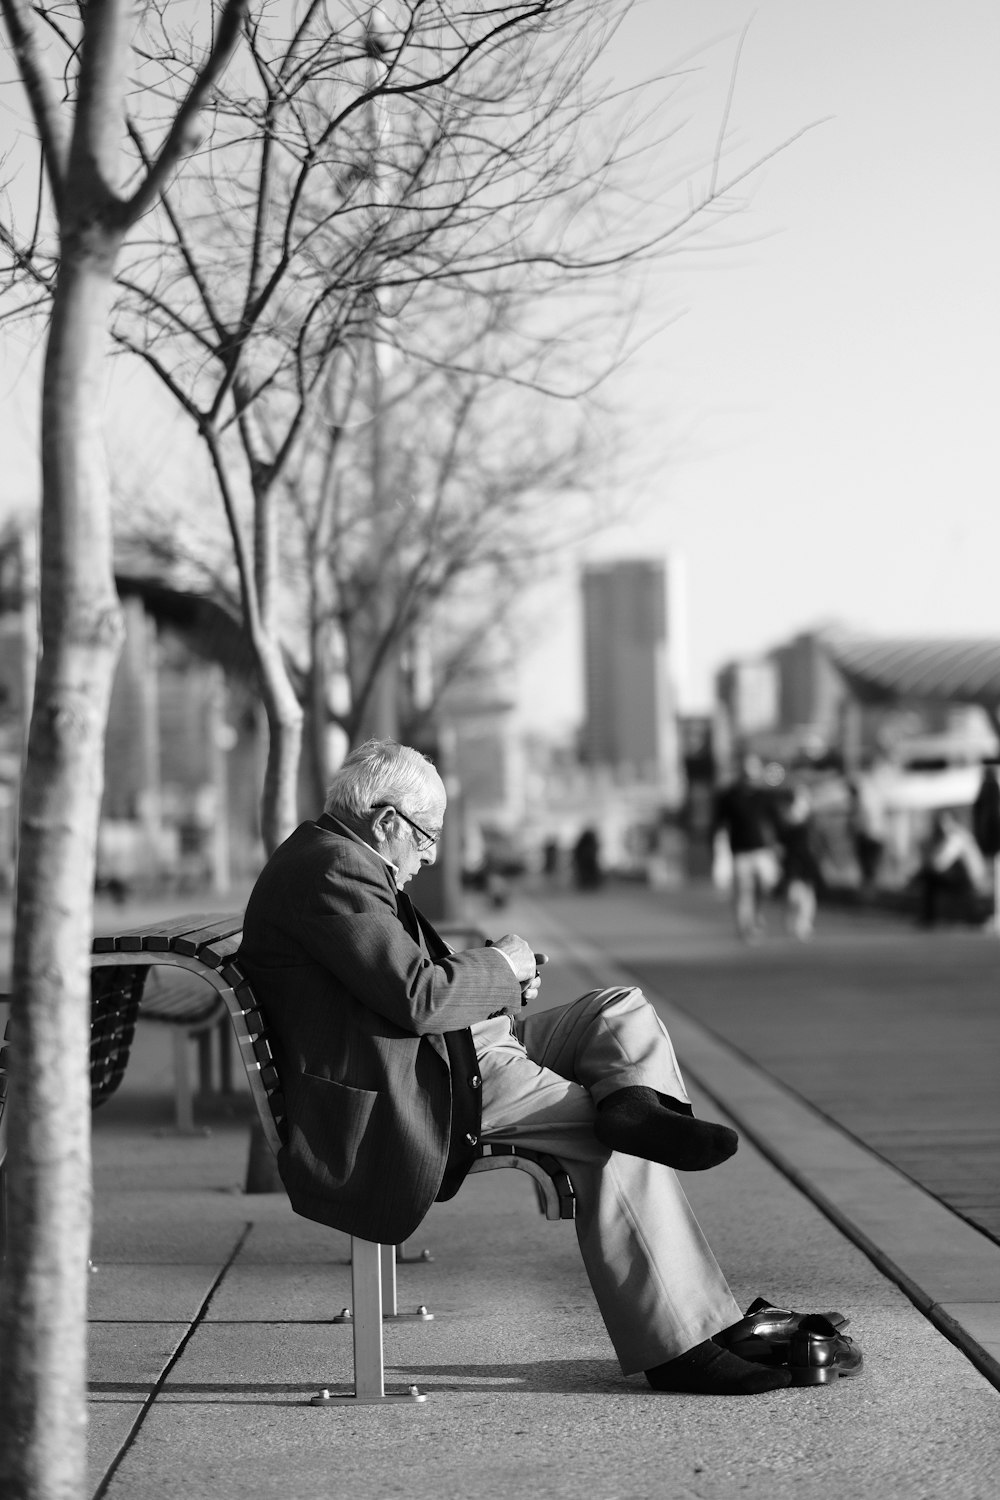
(891, 1032)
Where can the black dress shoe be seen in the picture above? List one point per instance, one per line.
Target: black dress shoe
(818, 1353)
(764, 1334)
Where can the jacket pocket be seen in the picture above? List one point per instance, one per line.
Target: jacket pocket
(327, 1123)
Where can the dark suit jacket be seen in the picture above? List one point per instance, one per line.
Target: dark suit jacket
(368, 1012)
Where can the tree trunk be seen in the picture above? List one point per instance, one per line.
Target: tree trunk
(280, 800)
(43, 1331)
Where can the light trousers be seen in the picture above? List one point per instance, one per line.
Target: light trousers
(657, 1284)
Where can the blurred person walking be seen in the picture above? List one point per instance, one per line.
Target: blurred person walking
(986, 830)
(952, 865)
(799, 863)
(587, 861)
(551, 859)
(866, 820)
(743, 814)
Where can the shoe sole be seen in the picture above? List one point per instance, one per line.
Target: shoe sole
(821, 1375)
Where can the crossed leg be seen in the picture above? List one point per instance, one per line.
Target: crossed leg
(657, 1284)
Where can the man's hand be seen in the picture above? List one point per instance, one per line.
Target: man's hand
(530, 990)
(522, 960)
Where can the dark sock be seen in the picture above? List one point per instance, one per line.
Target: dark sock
(642, 1122)
(708, 1370)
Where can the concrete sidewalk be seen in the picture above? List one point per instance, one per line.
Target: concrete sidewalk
(210, 1318)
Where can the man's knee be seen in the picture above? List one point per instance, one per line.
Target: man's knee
(614, 998)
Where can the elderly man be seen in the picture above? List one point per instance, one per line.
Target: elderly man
(397, 1056)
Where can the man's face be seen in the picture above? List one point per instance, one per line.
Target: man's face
(407, 846)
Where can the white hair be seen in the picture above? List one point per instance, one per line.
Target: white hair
(380, 771)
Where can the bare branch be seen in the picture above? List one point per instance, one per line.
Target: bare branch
(52, 133)
(181, 138)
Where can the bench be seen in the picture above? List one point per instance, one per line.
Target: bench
(197, 1013)
(207, 946)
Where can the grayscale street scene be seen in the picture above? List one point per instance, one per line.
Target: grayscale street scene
(499, 751)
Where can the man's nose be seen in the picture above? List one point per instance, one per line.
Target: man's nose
(428, 856)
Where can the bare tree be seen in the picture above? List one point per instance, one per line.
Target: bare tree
(79, 115)
(349, 168)
(480, 484)
(357, 168)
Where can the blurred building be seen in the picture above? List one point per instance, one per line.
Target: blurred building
(488, 758)
(183, 745)
(750, 694)
(834, 694)
(631, 635)
(810, 687)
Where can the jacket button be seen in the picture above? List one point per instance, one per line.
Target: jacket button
(473, 1140)
(475, 1081)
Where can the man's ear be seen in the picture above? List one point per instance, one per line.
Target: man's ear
(380, 820)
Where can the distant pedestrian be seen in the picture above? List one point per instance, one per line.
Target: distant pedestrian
(743, 813)
(587, 861)
(550, 859)
(986, 829)
(866, 822)
(951, 866)
(799, 863)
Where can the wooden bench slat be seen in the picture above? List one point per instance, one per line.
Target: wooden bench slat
(156, 937)
(216, 952)
(190, 943)
(161, 939)
(262, 1051)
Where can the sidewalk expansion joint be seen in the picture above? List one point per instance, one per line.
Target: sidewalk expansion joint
(154, 1390)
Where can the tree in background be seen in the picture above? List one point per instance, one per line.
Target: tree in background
(355, 177)
(355, 182)
(95, 198)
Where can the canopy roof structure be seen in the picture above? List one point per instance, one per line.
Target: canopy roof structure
(208, 628)
(945, 671)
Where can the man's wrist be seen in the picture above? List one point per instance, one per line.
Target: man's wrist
(507, 956)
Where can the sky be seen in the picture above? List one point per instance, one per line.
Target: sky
(829, 390)
(818, 423)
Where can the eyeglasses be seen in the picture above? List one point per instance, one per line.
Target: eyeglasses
(430, 838)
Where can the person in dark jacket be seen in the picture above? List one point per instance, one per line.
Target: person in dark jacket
(986, 830)
(742, 814)
(800, 867)
(397, 1055)
(587, 861)
(951, 867)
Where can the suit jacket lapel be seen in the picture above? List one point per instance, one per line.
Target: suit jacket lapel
(407, 913)
(432, 944)
(420, 930)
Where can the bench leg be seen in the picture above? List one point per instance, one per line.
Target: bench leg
(387, 1272)
(367, 1263)
(183, 1099)
(387, 1258)
(403, 1256)
(204, 1040)
(182, 1084)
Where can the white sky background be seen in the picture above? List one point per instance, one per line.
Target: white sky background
(830, 395)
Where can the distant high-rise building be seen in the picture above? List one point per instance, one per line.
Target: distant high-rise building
(631, 632)
(749, 690)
